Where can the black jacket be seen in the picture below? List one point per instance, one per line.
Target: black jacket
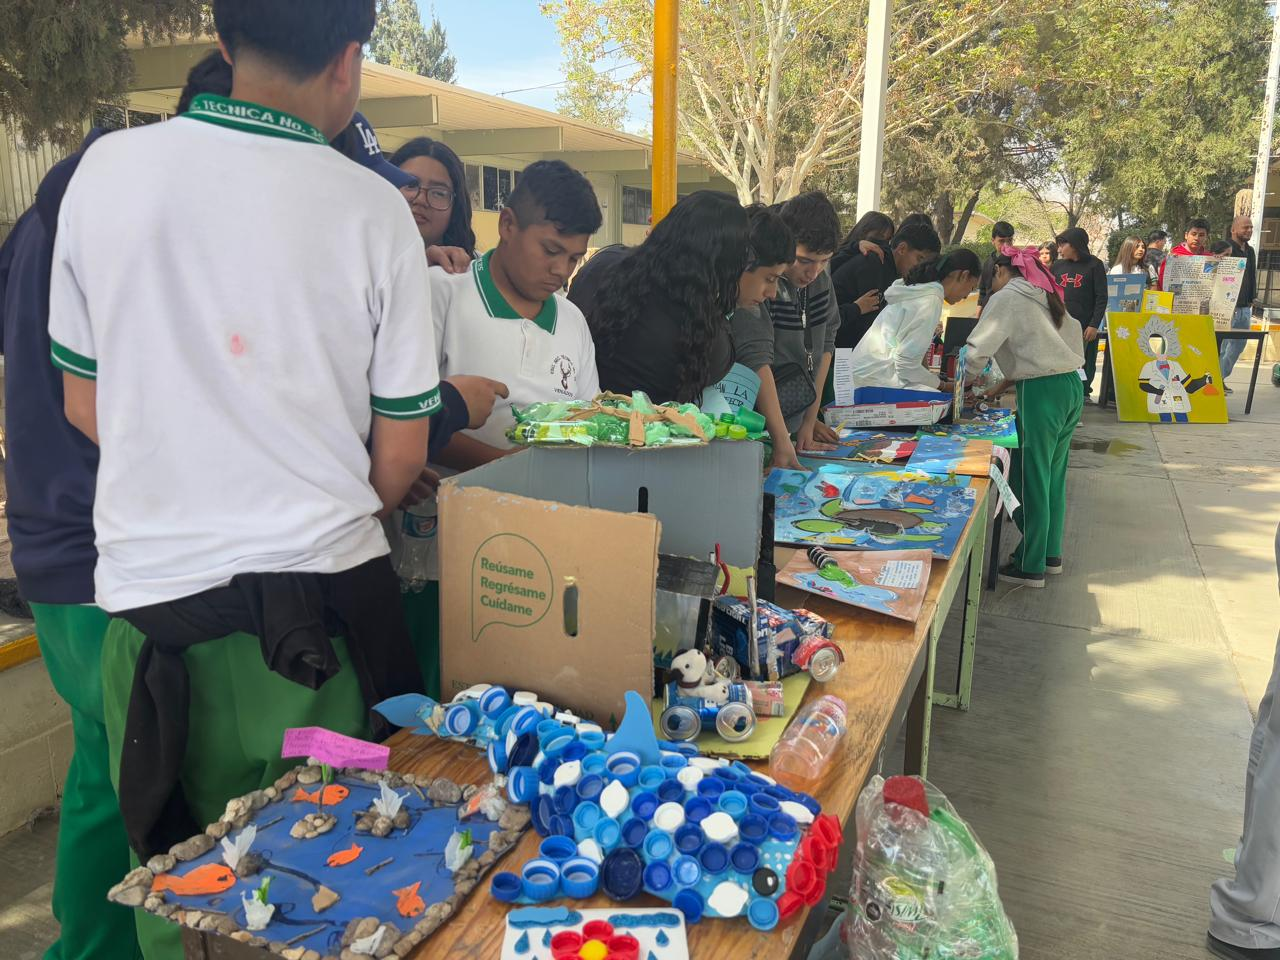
(1249, 282)
(985, 279)
(1084, 283)
(859, 274)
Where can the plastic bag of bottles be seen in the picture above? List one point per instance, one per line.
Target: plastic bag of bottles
(924, 888)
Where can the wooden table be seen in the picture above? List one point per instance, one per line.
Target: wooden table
(886, 680)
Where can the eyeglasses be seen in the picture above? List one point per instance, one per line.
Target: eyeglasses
(438, 198)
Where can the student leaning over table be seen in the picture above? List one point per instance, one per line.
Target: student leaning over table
(1026, 329)
(252, 501)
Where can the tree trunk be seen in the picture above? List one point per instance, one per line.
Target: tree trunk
(965, 215)
(944, 216)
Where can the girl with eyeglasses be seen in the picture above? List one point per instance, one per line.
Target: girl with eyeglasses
(440, 202)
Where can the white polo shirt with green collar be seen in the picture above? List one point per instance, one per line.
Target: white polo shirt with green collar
(548, 358)
(246, 299)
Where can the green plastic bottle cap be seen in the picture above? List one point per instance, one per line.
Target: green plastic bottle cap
(737, 432)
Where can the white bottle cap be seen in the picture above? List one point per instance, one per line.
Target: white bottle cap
(720, 827)
(669, 817)
(614, 800)
(591, 850)
(523, 698)
(690, 777)
(728, 899)
(797, 811)
(568, 774)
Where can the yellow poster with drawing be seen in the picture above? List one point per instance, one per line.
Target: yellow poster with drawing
(1165, 368)
(1157, 301)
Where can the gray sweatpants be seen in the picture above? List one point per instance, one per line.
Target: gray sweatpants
(1246, 910)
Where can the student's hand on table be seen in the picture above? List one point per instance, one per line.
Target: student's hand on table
(784, 456)
(452, 259)
(425, 486)
(869, 248)
(479, 394)
(806, 438)
(823, 433)
(868, 301)
(1090, 334)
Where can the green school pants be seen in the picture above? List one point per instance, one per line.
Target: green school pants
(1048, 411)
(93, 852)
(422, 617)
(238, 714)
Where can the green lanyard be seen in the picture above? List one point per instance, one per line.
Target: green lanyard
(252, 118)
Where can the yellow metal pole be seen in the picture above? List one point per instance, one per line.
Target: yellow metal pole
(666, 52)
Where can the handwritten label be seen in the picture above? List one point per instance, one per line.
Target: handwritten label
(1011, 503)
(334, 748)
(901, 573)
(842, 376)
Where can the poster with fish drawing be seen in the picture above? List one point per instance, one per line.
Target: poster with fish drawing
(868, 445)
(947, 455)
(892, 582)
(1165, 368)
(1000, 426)
(850, 511)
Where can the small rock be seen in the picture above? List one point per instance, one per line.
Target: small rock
(464, 886)
(257, 800)
(349, 954)
(277, 946)
(469, 791)
(486, 859)
(468, 871)
(153, 900)
(237, 807)
(444, 791)
(389, 937)
(411, 779)
(271, 793)
(242, 936)
(165, 910)
(364, 824)
(227, 926)
(373, 776)
(514, 818)
(294, 953)
(201, 843)
(323, 899)
(257, 941)
(218, 829)
(311, 955)
(298, 830)
(403, 947)
(250, 865)
(161, 863)
(286, 780)
(401, 820)
(127, 896)
(381, 827)
(365, 928)
(192, 918)
(309, 775)
(210, 921)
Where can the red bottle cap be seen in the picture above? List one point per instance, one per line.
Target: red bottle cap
(624, 947)
(565, 945)
(801, 878)
(789, 905)
(907, 792)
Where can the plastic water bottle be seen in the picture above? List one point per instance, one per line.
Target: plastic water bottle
(809, 742)
(413, 544)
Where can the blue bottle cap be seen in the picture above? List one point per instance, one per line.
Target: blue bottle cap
(671, 791)
(779, 792)
(643, 804)
(671, 762)
(686, 870)
(522, 785)
(682, 747)
(714, 858)
(747, 788)
(525, 749)
(764, 804)
(651, 777)
(502, 722)
(608, 833)
(745, 857)
(759, 781)
(753, 828)
(782, 826)
(505, 886)
(727, 773)
(624, 767)
(547, 772)
(689, 902)
(658, 845)
(562, 824)
(733, 803)
(594, 739)
(461, 718)
(590, 787)
(579, 878)
(711, 787)
(541, 880)
(565, 799)
(555, 747)
(498, 756)
(542, 810)
(697, 809)
(546, 729)
(809, 803)
(525, 720)
(689, 838)
(586, 815)
(621, 874)
(763, 914)
(594, 763)
(494, 700)
(657, 876)
(558, 849)
(634, 831)
(575, 751)
(742, 768)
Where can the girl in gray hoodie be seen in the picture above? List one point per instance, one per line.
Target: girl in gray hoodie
(1022, 328)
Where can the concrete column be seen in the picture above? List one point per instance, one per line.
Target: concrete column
(874, 87)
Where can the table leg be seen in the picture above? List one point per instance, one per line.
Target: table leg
(969, 623)
(1253, 378)
(993, 564)
(916, 755)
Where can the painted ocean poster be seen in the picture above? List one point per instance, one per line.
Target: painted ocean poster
(893, 582)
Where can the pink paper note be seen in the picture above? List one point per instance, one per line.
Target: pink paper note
(334, 748)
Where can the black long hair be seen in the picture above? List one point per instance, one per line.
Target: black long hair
(873, 221)
(693, 258)
(458, 233)
(953, 261)
(1057, 309)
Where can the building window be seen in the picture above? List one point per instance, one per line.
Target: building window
(637, 205)
(498, 184)
(473, 186)
(109, 116)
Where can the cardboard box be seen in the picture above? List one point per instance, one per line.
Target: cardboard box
(513, 533)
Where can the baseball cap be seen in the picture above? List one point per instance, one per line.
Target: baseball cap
(360, 143)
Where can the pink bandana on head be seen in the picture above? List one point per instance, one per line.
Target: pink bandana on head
(1027, 260)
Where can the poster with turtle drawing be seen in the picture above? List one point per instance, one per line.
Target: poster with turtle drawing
(893, 582)
(870, 446)
(1165, 368)
(841, 510)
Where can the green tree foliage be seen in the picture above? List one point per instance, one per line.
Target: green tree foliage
(399, 40)
(59, 58)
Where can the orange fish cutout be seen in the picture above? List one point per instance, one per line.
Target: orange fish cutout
(409, 903)
(334, 793)
(343, 857)
(201, 882)
(916, 498)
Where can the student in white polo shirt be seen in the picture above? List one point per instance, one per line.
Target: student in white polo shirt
(238, 310)
(508, 319)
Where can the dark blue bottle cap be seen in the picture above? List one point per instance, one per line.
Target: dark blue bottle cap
(753, 827)
(727, 773)
(763, 914)
(745, 857)
(670, 791)
(562, 824)
(711, 787)
(579, 878)
(779, 792)
(505, 886)
(621, 874)
(686, 870)
(461, 718)
(643, 804)
(672, 762)
(765, 882)
(547, 772)
(634, 831)
(554, 748)
(810, 804)
(522, 785)
(742, 768)
(697, 809)
(689, 902)
(502, 722)
(548, 728)
(759, 780)
(689, 838)
(565, 799)
(525, 720)
(542, 810)
(541, 880)
(782, 826)
(557, 848)
(590, 787)
(525, 749)
(714, 858)
(575, 751)
(764, 804)
(682, 747)
(747, 788)
(657, 876)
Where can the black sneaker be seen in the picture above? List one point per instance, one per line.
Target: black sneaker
(1053, 566)
(1227, 390)
(1011, 573)
(1220, 948)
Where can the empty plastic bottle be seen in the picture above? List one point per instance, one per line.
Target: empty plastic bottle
(809, 742)
(413, 543)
